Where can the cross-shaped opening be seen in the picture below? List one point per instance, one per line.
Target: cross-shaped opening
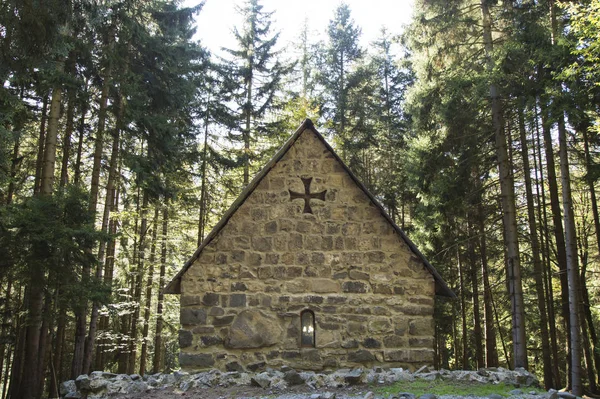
(307, 195)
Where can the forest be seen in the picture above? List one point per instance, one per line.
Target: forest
(123, 140)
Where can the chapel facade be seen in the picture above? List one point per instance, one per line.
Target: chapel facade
(306, 269)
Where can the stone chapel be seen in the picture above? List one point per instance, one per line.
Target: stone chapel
(306, 269)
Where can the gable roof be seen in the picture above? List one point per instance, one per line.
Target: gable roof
(174, 286)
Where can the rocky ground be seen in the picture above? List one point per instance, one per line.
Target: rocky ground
(287, 383)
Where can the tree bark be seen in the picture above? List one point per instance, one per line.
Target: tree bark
(149, 282)
(477, 333)
(572, 261)
(40, 154)
(535, 253)
(545, 238)
(112, 177)
(463, 313)
(508, 205)
(158, 362)
(138, 278)
(490, 330)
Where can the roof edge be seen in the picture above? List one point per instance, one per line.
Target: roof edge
(174, 286)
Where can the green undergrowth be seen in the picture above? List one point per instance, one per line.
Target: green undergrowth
(442, 387)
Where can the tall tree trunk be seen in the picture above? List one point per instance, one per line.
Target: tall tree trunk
(112, 176)
(203, 201)
(508, 205)
(158, 362)
(572, 261)
(584, 291)
(83, 109)
(490, 330)
(543, 217)
(14, 165)
(149, 282)
(71, 95)
(109, 269)
(463, 312)
(40, 154)
(535, 253)
(37, 274)
(138, 278)
(477, 333)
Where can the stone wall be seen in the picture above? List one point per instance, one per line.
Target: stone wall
(372, 297)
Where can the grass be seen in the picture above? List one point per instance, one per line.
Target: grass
(440, 387)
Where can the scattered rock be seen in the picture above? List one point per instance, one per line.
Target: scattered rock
(261, 380)
(293, 378)
(566, 395)
(552, 394)
(352, 377)
(369, 395)
(101, 385)
(83, 383)
(67, 386)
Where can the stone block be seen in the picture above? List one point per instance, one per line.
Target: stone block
(361, 356)
(271, 258)
(210, 299)
(237, 300)
(262, 244)
(295, 242)
(222, 321)
(358, 275)
(350, 344)
(421, 326)
(265, 272)
(193, 316)
(253, 329)
(313, 299)
(317, 258)
(254, 259)
(302, 258)
(371, 343)
(196, 360)
(380, 325)
(185, 338)
(238, 286)
(216, 311)
(210, 340)
(394, 341)
(402, 355)
(293, 272)
(190, 300)
(420, 342)
(322, 286)
(375, 256)
(354, 287)
(238, 255)
(203, 330)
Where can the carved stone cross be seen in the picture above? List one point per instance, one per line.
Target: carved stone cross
(307, 195)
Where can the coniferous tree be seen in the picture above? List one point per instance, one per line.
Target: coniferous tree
(254, 75)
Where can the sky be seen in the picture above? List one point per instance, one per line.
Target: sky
(218, 17)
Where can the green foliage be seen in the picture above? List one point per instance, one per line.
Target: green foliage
(454, 388)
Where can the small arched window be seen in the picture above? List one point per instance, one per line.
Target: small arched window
(307, 336)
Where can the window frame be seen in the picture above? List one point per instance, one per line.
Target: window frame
(313, 325)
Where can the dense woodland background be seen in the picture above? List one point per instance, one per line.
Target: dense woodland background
(122, 142)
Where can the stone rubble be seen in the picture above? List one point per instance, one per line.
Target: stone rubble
(102, 385)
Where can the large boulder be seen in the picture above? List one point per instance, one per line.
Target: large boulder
(253, 329)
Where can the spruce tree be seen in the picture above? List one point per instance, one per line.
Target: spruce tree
(254, 75)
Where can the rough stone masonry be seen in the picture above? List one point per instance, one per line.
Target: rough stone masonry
(306, 236)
